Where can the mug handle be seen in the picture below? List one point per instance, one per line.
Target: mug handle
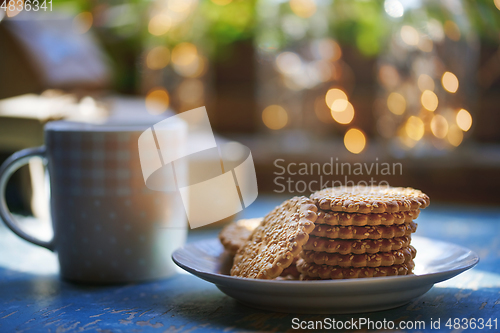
(10, 166)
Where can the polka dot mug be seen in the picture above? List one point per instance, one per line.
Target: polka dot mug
(108, 226)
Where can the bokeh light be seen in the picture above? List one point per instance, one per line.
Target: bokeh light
(439, 126)
(450, 82)
(344, 117)
(415, 128)
(355, 141)
(288, 63)
(158, 58)
(497, 4)
(429, 100)
(184, 54)
(157, 101)
(464, 120)
(409, 35)
(339, 105)
(195, 69)
(186, 60)
(159, 25)
(180, 6)
(388, 76)
(425, 82)
(435, 29)
(303, 8)
(455, 135)
(83, 22)
(329, 49)
(451, 30)
(275, 117)
(425, 45)
(405, 139)
(394, 8)
(396, 103)
(334, 94)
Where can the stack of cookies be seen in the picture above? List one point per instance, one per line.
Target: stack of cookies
(337, 233)
(362, 232)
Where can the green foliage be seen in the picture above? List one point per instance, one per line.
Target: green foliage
(227, 24)
(485, 19)
(361, 23)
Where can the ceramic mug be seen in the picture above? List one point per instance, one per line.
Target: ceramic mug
(108, 226)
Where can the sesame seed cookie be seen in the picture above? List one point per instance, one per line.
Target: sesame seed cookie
(371, 232)
(275, 243)
(360, 220)
(370, 199)
(234, 235)
(396, 257)
(312, 271)
(356, 246)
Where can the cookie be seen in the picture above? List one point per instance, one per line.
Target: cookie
(234, 235)
(360, 246)
(357, 219)
(312, 271)
(396, 257)
(371, 232)
(370, 199)
(276, 241)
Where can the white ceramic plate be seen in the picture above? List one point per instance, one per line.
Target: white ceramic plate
(436, 261)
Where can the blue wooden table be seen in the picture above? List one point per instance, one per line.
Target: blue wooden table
(33, 298)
